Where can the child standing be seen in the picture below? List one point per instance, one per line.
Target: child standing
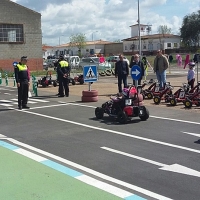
(191, 74)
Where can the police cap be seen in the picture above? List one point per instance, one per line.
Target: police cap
(24, 58)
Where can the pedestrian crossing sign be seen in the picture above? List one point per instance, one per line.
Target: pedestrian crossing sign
(90, 73)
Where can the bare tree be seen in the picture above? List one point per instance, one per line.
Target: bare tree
(78, 40)
(162, 30)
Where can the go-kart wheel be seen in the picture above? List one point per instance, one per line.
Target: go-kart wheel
(157, 100)
(99, 112)
(108, 72)
(173, 102)
(113, 71)
(149, 95)
(122, 117)
(54, 84)
(143, 113)
(73, 82)
(188, 103)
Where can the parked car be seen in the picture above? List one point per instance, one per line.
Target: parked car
(73, 61)
(50, 62)
(116, 58)
(94, 61)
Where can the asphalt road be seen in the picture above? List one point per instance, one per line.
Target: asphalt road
(155, 159)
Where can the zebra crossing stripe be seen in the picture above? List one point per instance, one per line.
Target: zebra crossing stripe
(12, 102)
(39, 100)
(5, 104)
(5, 101)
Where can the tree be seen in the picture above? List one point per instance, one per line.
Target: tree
(117, 41)
(162, 30)
(190, 30)
(78, 40)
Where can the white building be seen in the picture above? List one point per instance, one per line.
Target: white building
(91, 47)
(149, 42)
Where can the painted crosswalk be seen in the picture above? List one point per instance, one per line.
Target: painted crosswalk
(12, 102)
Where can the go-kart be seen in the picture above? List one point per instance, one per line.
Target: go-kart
(71, 80)
(79, 79)
(124, 107)
(46, 80)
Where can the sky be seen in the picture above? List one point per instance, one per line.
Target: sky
(108, 20)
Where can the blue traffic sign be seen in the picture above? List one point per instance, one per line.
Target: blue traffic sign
(15, 63)
(90, 73)
(136, 72)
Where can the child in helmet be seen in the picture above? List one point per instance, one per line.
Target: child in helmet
(191, 74)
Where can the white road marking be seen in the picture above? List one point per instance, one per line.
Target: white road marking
(90, 171)
(30, 155)
(133, 156)
(157, 117)
(7, 93)
(5, 104)
(7, 89)
(173, 168)
(176, 120)
(39, 100)
(5, 101)
(194, 134)
(56, 105)
(104, 186)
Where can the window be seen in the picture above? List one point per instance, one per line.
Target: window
(125, 48)
(175, 45)
(11, 33)
(169, 45)
(144, 46)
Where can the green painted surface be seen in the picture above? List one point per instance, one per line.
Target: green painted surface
(24, 179)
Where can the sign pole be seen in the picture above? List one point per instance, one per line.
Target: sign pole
(89, 86)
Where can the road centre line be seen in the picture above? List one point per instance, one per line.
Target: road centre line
(173, 168)
(133, 156)
(157, 117)
(112, 131)
(90, 171)
(194, 134)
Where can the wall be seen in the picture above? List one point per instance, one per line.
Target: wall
(12, 13)
(114, 48)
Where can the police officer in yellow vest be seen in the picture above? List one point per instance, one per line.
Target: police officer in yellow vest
(23, 82)
(63, 72)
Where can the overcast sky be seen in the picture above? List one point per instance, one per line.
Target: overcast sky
(106, 19)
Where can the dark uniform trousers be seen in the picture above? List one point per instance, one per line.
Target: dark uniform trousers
(64, 83)
(23, 93)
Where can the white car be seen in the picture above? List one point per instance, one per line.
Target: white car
(116, 58)
(94, 61)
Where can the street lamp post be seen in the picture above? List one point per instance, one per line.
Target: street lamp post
(139, 28)
(93, 35)
(60, 37)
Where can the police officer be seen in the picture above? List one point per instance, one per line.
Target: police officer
(63, 72)
(23, 82)
(58, 75)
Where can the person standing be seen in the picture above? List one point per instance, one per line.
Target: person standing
(160, 65)
(23, 81)
(63, 72)
(191, 74)
(146, 67)
(136, 61)
(121, 72)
